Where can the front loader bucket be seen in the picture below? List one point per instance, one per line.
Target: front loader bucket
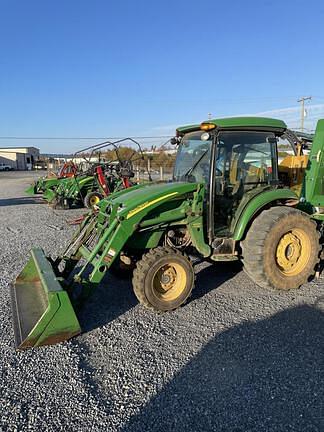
(41, 308)
(49, 195)
(32, 190)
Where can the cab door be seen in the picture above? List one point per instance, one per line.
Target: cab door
(244, 161)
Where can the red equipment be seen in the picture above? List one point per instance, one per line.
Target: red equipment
(68, 169)
(102, 181)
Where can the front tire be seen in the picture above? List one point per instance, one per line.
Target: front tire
(163, 279)
(281, 249)
(92, 199)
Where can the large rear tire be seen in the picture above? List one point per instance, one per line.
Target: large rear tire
(281, 249)
(163, 279)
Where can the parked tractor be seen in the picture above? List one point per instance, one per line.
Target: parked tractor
(67, 170)
(87, 189)
(109, 178)
(100, 180)
(229, 200)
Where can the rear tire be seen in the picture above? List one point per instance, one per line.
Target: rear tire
(163, 279)
(281, 249)
(92, 199)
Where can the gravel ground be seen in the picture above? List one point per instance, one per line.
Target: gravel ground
(235, 358)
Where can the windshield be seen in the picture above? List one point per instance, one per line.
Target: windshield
(193, 158)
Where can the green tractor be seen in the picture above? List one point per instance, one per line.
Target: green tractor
(42, 184)
(101, 179)
(89, 188)
(229, 200)
(46, 185)
(72, 191)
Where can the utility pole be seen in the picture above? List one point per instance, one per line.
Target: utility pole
(302, 116)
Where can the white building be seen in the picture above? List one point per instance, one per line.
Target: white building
(19, 158)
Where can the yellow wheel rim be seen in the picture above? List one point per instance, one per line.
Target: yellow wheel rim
(169, 281)
(293, 252)
(94, 200)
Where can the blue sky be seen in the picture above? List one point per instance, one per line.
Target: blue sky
(116, 68)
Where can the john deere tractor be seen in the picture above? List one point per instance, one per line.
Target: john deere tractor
(72, 191)
(67, 170)
(229, 200)
(100, 179)
(48, 184)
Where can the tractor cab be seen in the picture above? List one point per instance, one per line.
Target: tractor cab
(235, 159)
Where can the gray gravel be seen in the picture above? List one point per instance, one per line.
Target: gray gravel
(235, 358)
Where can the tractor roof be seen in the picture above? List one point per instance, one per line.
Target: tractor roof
(237, 122)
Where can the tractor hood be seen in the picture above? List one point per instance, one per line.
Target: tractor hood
(138, 201)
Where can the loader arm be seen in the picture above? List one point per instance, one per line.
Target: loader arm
(48, 293)
(125, 213)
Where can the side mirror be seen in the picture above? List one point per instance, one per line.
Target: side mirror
(174, 141)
